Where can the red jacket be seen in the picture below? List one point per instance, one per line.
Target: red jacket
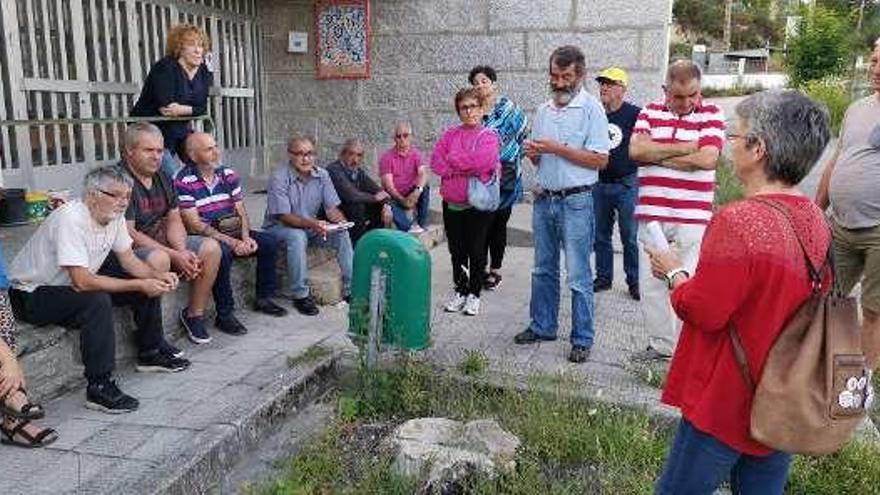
(752, 272)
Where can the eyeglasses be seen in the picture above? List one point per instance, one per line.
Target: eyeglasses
(118, 197)
(467, 108)
(402, 135)
(302, 154)
(731, 136)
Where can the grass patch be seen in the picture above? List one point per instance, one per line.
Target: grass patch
(473, 363)
(569, 445)
(311, 355)
(727, 187)
(652, 374)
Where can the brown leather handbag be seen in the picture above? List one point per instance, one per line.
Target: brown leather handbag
(814, 389)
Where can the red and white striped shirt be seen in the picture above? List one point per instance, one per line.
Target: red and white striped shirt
(675, 196)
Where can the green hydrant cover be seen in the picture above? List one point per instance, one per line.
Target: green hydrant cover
(407, 309)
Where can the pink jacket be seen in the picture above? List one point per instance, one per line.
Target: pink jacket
(462, 153)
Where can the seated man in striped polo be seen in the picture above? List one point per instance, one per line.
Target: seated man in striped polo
(210, 199)
(677, 142)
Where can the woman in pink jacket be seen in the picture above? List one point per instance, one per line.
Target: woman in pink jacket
(465, 151)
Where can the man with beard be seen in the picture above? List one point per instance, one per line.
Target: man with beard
(569, 145)
(363, 201)
(55, 280)
(677, 140)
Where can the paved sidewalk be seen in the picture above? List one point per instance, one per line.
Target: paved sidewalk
(235, 386)
(618, 325)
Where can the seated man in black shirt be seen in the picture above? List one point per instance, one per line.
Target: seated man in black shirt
(364, 202)
(155, 225)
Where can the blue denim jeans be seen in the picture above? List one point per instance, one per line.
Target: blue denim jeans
(563, 224)
(698, 464)
(610, 200)
(267, 254)
(298, 240)
(169, 164)
(403, 222)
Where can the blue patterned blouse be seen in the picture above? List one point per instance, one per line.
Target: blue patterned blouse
(512, 125)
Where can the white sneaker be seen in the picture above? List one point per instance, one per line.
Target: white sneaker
(455, 304)
(416, 229)
(472, 305)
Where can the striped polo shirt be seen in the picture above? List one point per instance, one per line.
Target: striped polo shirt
(675, 196)
(211, 200)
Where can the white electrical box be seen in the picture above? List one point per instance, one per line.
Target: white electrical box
(297, 42)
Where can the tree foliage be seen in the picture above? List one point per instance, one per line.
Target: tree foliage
(821, 48)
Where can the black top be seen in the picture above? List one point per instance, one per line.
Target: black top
(167, 83)
(352, 185)
(149, 206)
(620, 126)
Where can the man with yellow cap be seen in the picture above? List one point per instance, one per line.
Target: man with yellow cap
(616, 192)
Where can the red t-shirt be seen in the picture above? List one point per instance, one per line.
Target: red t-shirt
(751, 271)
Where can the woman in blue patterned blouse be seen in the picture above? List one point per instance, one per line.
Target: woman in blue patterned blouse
(508, 119)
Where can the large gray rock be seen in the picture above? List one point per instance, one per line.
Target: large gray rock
(450, 450)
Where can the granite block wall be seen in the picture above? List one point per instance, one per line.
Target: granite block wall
(422, 51)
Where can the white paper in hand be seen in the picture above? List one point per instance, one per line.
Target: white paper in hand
(656, 237)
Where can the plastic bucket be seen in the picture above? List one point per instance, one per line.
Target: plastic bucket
(13, 208)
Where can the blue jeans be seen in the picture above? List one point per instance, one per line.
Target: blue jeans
(403, 222)
(698, 464)
(267, 255)
(298, 240)
(610, 199)
(567, 224)
(169, 164)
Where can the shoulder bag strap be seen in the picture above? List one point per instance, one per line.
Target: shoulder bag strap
(814, 274)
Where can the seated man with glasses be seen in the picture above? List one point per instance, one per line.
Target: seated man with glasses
(363, 201)
(405, 179)
(302, 209)
(55, 280)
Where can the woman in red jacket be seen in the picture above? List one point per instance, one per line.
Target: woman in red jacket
(752, 274)
(465, 151)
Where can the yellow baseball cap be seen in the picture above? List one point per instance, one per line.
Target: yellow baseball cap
(615, 74)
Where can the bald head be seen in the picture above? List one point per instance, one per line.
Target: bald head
(202, 149)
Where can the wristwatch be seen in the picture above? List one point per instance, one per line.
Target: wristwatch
(671, 274)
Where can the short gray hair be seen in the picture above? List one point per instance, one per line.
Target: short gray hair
(794, 129)
(134, 131)
(683, 71)
(101, 177)
(351, 143)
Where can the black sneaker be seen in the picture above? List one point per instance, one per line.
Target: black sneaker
(161, 363)
(230, 324)
(170, 349)
(578, 354)
(600, 285)
(634, 292)
(527, 336)
(306, 305)
(492, 280)
(106, 397)
(195, 327)
(268, 306)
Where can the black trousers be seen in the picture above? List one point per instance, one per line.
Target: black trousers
(466, 233)
(366, 216)
(91, 313)
(497, 236)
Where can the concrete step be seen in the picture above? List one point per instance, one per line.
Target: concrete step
(51, 354)
(193, 426)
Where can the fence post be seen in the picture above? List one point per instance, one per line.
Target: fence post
(18, 102)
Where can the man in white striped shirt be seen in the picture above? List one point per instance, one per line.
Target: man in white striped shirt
(676, 141)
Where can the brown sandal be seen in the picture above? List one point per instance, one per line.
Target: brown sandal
(28, 410)
(41, 439)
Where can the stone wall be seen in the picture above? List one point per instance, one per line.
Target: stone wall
(422, 51)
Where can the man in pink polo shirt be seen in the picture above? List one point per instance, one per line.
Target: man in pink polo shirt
(405, 179)
(676, 141)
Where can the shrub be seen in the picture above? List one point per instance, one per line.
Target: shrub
(834, 93)
(727, 187)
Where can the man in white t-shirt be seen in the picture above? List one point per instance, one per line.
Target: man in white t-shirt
(54, 280)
